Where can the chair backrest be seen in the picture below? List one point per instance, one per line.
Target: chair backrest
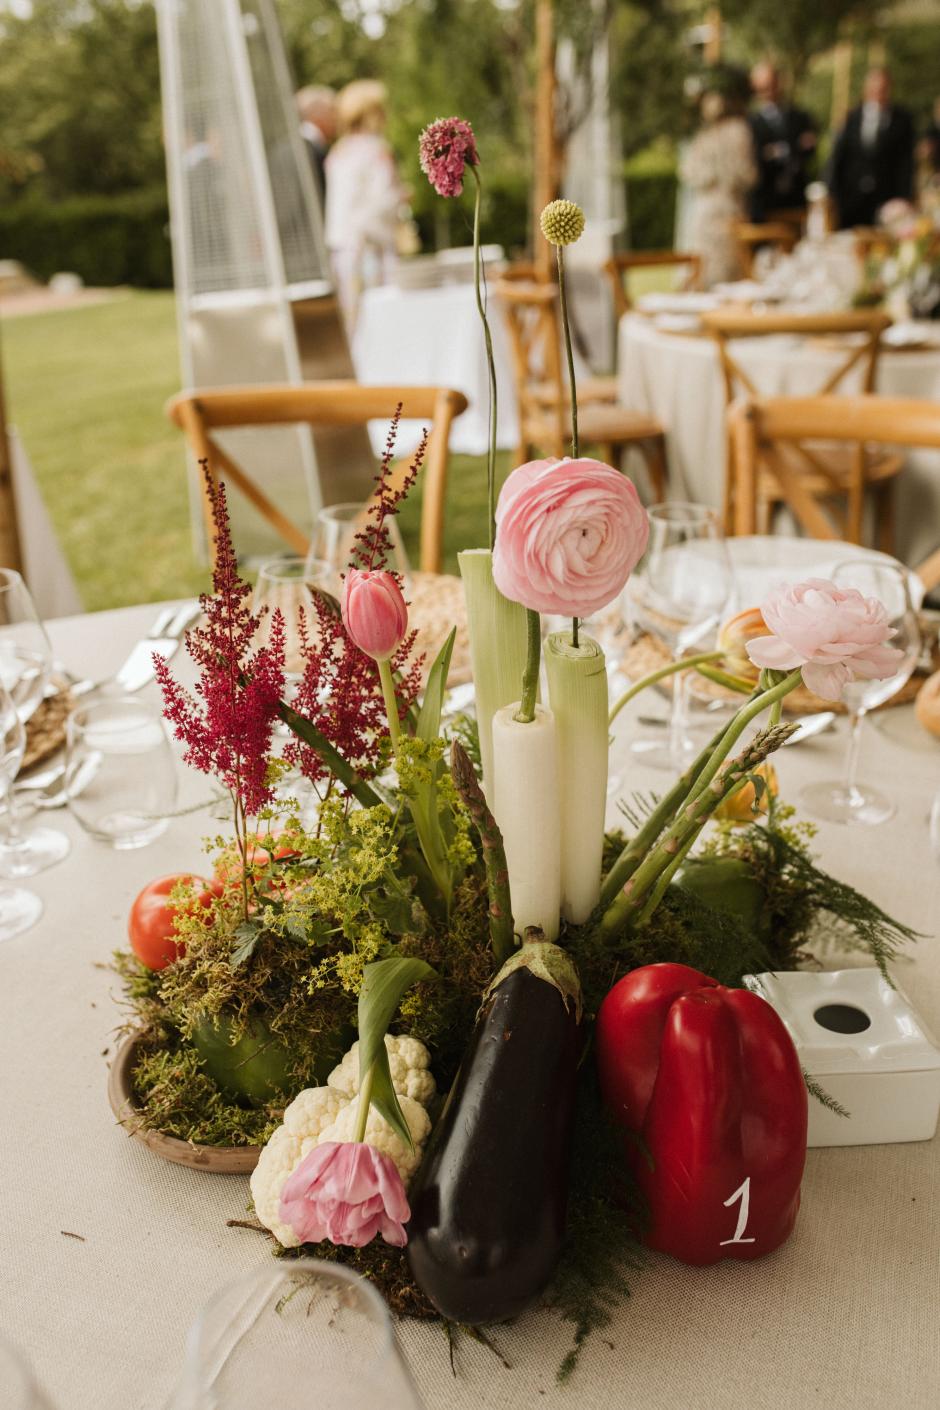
(324, 404)
(756, 425)
(532, 318)
(858, 331)
(778, 234)
(620, 266)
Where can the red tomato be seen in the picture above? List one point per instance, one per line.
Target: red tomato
(151, 925)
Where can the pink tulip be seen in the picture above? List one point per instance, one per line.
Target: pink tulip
(835, 634)
(347, 1192)
(374, 612)
(568, 535)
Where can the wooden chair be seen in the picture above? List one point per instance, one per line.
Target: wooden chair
(780, 235)
(620, 266)
(822, 473)
(323, 404)
(762, 428)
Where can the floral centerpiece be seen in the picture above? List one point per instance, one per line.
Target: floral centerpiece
(458, 916)
(902, 269)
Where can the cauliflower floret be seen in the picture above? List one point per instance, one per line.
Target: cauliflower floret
(379, 1134)
(408, 1060)
(313, 1110)
(277, 1161)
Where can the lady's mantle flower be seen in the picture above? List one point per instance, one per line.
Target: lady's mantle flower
(445, 148)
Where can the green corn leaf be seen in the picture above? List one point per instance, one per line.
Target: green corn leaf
(383, 984)
(429, 719)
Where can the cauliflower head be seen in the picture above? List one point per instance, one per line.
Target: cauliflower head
(409, 1063)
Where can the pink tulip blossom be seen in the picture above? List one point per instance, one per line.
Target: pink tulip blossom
(835, 634)
(445, 148)
(347, 1192)
(568, 535)
(374, 612)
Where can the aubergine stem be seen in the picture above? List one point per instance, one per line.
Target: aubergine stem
(494, 853)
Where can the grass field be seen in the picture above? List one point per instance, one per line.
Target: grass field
(85, 390)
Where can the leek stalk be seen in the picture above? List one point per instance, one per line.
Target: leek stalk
(498, 648)
(577, 689)
(526, 806)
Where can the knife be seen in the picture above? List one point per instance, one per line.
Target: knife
(163, 639)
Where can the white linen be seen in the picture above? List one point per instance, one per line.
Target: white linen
(677, 379)
(844, 1315)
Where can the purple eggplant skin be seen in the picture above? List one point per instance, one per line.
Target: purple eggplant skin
(490, 1199)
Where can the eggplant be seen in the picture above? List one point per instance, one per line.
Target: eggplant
(490, 1199)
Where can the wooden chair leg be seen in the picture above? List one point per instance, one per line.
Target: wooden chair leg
(727, 490)
(654, 453)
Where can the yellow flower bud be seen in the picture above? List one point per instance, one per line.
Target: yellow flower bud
(562, 222)
(740, 806)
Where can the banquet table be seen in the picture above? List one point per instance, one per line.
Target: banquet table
(676, 377)
(109, 1252)
(431, 337)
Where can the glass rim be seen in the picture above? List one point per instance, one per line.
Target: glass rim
(292, 567)
(85, 710)
(331, 513)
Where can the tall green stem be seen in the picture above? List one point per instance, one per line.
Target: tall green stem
(391, 702)
(569, 353)
(686, 663)
(530, 679)
(490, 362)
(365, 1101)
(738, 725)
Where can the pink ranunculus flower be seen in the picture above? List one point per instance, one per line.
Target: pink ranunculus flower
(568, 535)
(374, 612)
(347, 1192)
(835, 634)
(445, 148)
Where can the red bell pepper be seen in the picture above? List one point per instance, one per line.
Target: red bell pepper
(707, 1085)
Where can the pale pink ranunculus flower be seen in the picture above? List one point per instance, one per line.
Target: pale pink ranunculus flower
(835, 634)
(568, 535)
(347, 1192)
(375, 613)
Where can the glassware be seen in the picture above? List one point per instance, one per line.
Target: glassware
(25, 650)
(120, 774)
(850, 801)
(335, 539)
(679, 594)
(299, 1335)
(19, 909)
(291, 584)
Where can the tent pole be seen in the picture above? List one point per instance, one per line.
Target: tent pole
(10, 555)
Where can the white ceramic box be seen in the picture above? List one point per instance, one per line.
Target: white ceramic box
(864, 1044)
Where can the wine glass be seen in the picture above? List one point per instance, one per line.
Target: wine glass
(25, 672)
(334, 540)
(850, 801)
(291, 584)
(296, 1334)
(119, 772)
(19, 909)
(680, 595)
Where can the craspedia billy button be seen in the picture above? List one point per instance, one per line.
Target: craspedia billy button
(562, 222)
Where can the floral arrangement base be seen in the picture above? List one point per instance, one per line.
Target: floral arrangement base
(221, 1160)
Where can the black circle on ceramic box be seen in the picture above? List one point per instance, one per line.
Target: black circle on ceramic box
(842, 1018)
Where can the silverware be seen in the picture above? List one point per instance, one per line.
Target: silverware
(810, 725)
(163, 639)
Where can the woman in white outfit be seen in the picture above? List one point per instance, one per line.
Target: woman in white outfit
(719, 166)
(364, 195)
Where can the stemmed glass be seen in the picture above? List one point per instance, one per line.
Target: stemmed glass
(25, 672)
(291, 584)
(680, 594)
(295, 1334)
(19, 909)
(334, 540)
(850, 801)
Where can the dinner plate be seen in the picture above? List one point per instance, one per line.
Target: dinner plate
(762, 561)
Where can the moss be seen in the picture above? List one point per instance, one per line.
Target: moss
(175, 1096)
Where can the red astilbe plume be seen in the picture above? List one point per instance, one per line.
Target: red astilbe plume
(227, 726)
(373, 545)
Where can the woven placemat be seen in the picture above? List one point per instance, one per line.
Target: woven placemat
(45, 729)
(647, 654)
(437, 605)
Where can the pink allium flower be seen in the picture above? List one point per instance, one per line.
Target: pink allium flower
(835, 634)
(568, 535)
(347, 1192)
(445, 148)
(374, 611)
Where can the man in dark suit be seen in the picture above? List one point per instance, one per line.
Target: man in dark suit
(873, 157)
(784, 144)
(316, 108)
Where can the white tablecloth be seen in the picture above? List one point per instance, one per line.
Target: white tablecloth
(677, 379)
(433, 338)
(844, 1316)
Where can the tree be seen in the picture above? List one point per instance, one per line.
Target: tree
(793, 31)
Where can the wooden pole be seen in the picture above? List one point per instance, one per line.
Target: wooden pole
(545, 184)
(10, 556)
(712, 53)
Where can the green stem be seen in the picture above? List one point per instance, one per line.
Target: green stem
(391, 702)
(739, 684)
(494, 853)
(684, 664)
(738, 725)
(490, 362)
(563, 300)
(365, 1101)
(530, 679)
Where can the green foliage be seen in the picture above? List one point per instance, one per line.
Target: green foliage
(107, 239)
(179, 1098)
(799, 29)
(384, 984)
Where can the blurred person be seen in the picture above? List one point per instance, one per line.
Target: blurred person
(928, 149)
(316, 108)
(873, 158)
(364, 195)
(784, 145)
(720, 168)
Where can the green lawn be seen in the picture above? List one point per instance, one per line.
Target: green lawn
(86, 389)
